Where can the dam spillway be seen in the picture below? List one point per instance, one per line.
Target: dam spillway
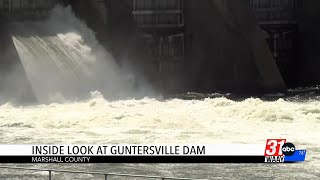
(63, 59)
(220, 48)
(172, 46)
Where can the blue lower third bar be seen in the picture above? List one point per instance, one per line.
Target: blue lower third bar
(298, 156)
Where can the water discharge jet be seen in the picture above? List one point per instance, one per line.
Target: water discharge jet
(63, 60)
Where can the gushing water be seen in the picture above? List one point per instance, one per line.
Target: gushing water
(65, 66)
(67, 62)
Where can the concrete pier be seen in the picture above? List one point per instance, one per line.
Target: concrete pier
(226, 49)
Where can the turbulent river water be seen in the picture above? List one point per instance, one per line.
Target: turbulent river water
(172, 121)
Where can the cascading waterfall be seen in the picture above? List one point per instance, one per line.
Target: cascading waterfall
(63, 60)
(65, 66)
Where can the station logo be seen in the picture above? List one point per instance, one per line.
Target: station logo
(280, 151)
(288, 149)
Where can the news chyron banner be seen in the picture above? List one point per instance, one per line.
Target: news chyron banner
(273, 151)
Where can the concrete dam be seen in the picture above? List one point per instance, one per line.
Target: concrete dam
(167, 46)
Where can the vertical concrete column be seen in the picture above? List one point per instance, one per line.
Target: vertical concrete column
(226, 49)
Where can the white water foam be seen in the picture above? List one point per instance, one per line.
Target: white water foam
(174, 121)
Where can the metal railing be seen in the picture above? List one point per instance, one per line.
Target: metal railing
(275, 12)
(105, 175)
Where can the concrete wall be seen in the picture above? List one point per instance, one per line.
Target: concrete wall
(87, 11)
(125, 43)
(226, 49)
(114, 32)
(309, 42)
